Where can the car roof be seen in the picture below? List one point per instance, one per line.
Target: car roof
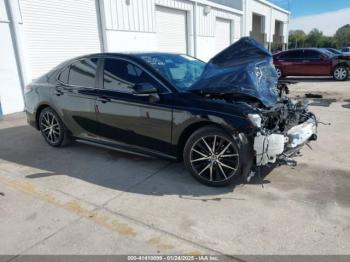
(136, 56)
(131, 54)
(305, 48)
(297, 49)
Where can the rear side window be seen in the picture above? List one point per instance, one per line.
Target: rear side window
(63, 77)
(283, 55)
(121, 75)
(312, 54)
(294, 54)
(83, 72)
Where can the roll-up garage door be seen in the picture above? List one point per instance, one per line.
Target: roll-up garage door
(171, 30)
(56, 30)
(222, 34)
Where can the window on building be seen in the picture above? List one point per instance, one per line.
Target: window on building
(83, 72)
(121, 75)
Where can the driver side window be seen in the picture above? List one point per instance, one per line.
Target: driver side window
(120, 75)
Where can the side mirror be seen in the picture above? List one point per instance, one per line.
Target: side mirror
(147, 90)
(144, 89)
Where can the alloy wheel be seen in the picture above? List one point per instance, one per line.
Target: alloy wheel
(214, 158)
(50, 127)
(279, 72)
(340, 73)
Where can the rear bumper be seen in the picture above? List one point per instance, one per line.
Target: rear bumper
(274, 148)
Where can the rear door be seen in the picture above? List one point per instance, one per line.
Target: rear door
(292, 62)
(133, 119)
(74, 96)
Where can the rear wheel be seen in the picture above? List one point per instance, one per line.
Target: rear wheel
(341, 73)
(52, 128)
(212, 157)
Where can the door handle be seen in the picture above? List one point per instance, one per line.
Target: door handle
(58, 92)
(104, 99)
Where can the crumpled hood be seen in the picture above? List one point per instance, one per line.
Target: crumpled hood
(245, 68)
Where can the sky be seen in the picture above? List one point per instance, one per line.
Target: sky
(326, 15)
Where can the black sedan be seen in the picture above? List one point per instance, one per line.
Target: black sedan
(224, 118)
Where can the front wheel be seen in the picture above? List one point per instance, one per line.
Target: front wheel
(341, 73)
(212, 157)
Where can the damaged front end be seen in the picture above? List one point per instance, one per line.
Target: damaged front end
(244, 73)
(281, 131)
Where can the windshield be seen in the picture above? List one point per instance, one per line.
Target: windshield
(334, 51)
(327, 52)
(181, 70)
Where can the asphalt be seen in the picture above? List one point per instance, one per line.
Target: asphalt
(86, 200)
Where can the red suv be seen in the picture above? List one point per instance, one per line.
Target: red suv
(311, 62)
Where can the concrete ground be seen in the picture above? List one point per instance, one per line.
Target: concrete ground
(86, 200)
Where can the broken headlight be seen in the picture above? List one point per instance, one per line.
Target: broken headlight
(258, 72)
(255, 119)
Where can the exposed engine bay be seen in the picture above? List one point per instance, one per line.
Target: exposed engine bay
(281, 130)
(284, 128)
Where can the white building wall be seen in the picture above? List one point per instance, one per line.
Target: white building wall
(11, 97)
(284, 18)
(270, 12)
(3, 13)
(206, 47)
(135, 23)
(131, 41)
(56, 30)
(206, 30)
(137, 16)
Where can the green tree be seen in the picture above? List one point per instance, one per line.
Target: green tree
(296, 38)
(342, 36)
(314, 38)
(327, 41)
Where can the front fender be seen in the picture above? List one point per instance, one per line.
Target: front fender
(183, 121)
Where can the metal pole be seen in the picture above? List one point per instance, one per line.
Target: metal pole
(15, 35)
(195, 29)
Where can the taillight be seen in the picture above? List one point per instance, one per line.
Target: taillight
(28, 88)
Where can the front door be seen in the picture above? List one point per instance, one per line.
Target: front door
(129, 118)
(292, 63)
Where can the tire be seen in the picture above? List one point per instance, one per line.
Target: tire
(279, 73)
(219, 169)
(340, 73)
(52, 128)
